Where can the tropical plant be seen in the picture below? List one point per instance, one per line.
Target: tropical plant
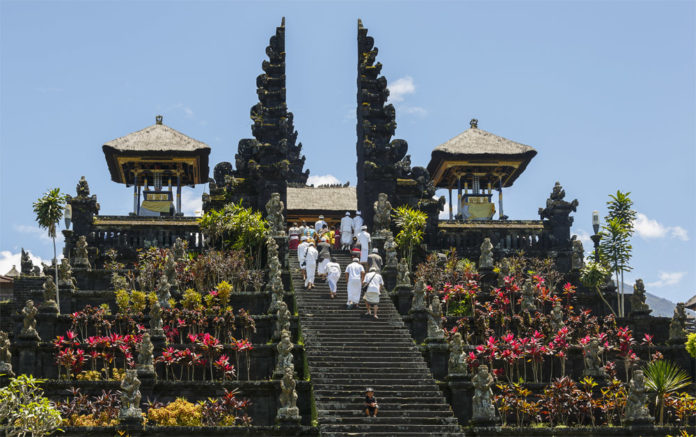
(412, 224)
(593, 275)
(25, 411)
(49, 210)
(691, 344)
(664, 377)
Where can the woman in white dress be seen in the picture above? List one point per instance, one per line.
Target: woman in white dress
(333, 270)
(374, 283)
(311, 265)
(354, 277)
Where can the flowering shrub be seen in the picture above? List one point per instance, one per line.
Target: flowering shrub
(83, 410)
(225, 411)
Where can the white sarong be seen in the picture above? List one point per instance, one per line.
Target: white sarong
(363, 254)
(354, 289)
(322, 266)
(311, 270)
(333, 280)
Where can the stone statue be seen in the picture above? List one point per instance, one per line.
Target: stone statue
(677, 327)
(456, 364)
(557, 322)
(26, 266)
(390, 250)
(49, 294)
(382, 217)
(275, 278)
(274, 215)
(170, 271)
(130, 397)
(163, 294)
(504, 271)
(179, 249)
(434, 314)
(578, 257)
(5, 355)
(638, 304)
(486, 258)
(288, 410)
(81, 258)
(29, 322)
(418, 299)
(284, 349)
(528, 301)
(65, 277)
(593, 363)
(282, 320)
(82, 188)
(145, 351)
(403, 276)
(636, 409)
(36, 271)
(482, 405)
(156, 319)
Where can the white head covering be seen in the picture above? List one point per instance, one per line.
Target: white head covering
(357, 212)
(375, 250)
(348, 213)
(321, 217)
(364, 228)
(356, 260)
(303, 238)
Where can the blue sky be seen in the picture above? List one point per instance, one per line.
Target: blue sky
(603, 90)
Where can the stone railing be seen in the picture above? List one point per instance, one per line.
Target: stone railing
(507, 236)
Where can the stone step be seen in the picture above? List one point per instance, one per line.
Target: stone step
(413, 392)
(383, 399)
(360, 364)
(384, 413)
(359, 406)
(369, 428)
(393, 434)
(391, 420)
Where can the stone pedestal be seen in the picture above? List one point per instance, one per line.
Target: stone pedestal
(282, 242)
(46, 322)
(389, 276)
(461, 391)
(378, 242)
(288, 421)
(403, 294)
(438, 355)
(28, 351)
(419, 325)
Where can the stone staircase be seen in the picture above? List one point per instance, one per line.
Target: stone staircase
(348, 352)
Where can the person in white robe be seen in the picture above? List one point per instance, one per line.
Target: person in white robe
(355, 273)
(374, 283)
(311, 265)
(319, 224)
(364, 241)
(333, 270)
(346, 232)
(357, 223)
(301, 254)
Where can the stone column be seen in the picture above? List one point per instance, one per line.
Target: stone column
(461, 391)
(438, 354)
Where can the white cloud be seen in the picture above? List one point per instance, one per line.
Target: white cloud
(414, 110)
(191, 203)
(188, 112)
(36, 231)
(400, 88)
(649, 228)
(9, 259)
(584, 236)
(667, 279)
(326, 179)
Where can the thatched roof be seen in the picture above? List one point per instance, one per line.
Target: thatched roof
(322, 199)
(156, 138)
(691, 303)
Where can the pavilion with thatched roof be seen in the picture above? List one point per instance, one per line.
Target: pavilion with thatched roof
(475, 162)
(158, 157)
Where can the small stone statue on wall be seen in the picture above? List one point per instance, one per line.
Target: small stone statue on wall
(5, 355)
(49, 295)
(130, 398)
(504, 272)
(677, 327)
(578, 256)
(274, 215)
(456, 364)
(482, 406)
(145, 354)
(435, 319)
(557, 322)
(156, 319)
(528, 302)
(593, 363)
(81, 257)
(390, 251)
(163, 294)
(486, 258)
(170, 271)
(403, 276)
(29, 321)
(179, 249)
(636, 409)
(418, 299)
(26, 266)
(288, 411)
(65, 277)
(638, 305)
(282, 320)
(382, 217)
(284, 349)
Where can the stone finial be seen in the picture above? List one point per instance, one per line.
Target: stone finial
(482, 405)
(26, 266)
(158, 119)
(5, 355)
(677, 327)
(130, 398)
(82, 188)
(636, 409)
(474, 123)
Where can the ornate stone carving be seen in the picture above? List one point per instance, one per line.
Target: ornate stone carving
(528, 302)
(274, 215)
(275, 278)
(288, 411)
(5, 355)
(557, 322)
(49, 295)
(179, 249)
(418, 299)
(593, 363)
(435, 319)
(163, 292)
(156, 319)
(456, 364)
(130, 398)
(677, 327)
(26, 266)
(382, 218)
(29, 321)
(504, 272)
(284, 349)
(282, 320)
(145, 354)
(65, 277)
(81, 258)
(403, 276)
(390, 251)
(486, 258)
(578, 258)
(557, 214)
(636, 409)
(482, 405)
(638, 305)
(82, 188)
(170, 271)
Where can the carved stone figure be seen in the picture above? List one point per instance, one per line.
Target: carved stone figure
(677, 327)
(274, 215)
(528, 302)
(504, 271)
(82, 187)
(593, 363)
(29, 321)
(638, 305)
(288, 410)
(435, 319)
(81, 258)
(36, 271)
(282, 320)
(482, 405)
(486, 258)
(456, 364)
(557, 318)
(5, 355)
(26, 266)
(170, 271)
(163, 294)
(65, 277)
(382, 218)
(390, 250)
(578, 257)
(49, 295)
(636, 409)
(403, 276)
(275, 278)
(179, 249)
(145, 354)
(284, 349)
(156, 319)
(130, 397)
(418, 299)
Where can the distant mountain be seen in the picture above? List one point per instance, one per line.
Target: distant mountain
(660, 306)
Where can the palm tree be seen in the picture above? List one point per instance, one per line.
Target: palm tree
(664, 377)
(49, 210)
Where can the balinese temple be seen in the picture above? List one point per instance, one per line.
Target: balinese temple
(474, 163)
(306, 203)
(155, 161)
